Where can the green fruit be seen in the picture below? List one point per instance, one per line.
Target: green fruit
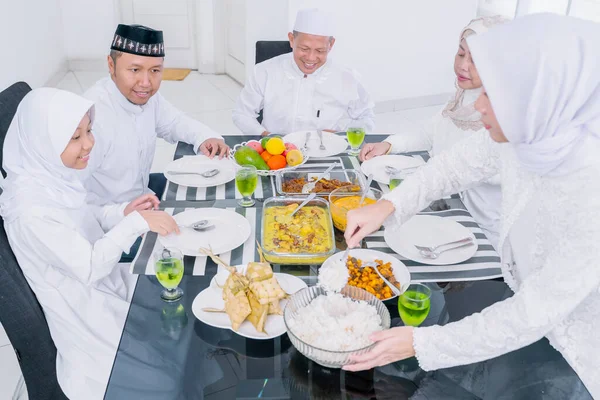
(248, 156)
(263, 141)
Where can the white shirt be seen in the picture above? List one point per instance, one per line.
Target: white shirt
(119, 167)
(291, 100)
(71, 266)
(549, 246)
(439, 134)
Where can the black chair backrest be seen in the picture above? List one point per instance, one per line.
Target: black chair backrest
(267, 49)
(20, 312)
(9, 101)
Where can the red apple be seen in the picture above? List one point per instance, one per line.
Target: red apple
(289, 147)
(254, 144)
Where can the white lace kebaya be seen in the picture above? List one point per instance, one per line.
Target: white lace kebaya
(551, 196)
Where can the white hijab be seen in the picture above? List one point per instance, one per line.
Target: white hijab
(40, 131)
(461, 110)
(542, 75)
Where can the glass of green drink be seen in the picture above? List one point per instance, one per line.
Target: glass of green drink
(397, 178)
(414, 304)
(168, 265)
(245, 181)
(356, 136)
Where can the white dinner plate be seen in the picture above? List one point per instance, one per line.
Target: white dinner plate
(230, 231)
(211, 297)
(200, 163)
(429, 230)
(376, 166)
(400, 271)
(333, 143)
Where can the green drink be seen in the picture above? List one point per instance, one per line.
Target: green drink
(414, 304)
(246, 180)
(395, 182)
(169, 272)
(168, 266)
(355, 137)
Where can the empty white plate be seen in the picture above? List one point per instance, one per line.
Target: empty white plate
(211, 297)
(230, 231)
(376, 166)
(400, 271)
(200, 164)
(429, 230)
(333, 143)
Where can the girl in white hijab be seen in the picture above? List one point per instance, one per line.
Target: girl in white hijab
(546, 104)
(60, 242)
(457, 120)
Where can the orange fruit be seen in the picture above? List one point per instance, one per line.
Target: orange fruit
(277, 162)
(266, 155)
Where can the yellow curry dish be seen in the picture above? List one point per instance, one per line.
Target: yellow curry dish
(305, 238)
(342, 201)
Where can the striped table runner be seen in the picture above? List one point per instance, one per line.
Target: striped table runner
(266, 185)
(484, 265)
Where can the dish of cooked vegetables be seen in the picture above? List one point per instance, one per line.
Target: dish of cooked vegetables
(308, 232)
(367, 279)
(322, 186)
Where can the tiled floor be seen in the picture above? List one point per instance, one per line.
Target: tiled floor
(210, 99)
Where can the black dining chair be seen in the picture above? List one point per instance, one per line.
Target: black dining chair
(20, 312)
(267, 49)
(9, 101)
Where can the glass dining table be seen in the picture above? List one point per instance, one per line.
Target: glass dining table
(165, 352)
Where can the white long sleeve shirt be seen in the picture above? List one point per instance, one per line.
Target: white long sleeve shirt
(439, 134)
(291, 100)
(549, 245)
(119, 167)
(72, 267)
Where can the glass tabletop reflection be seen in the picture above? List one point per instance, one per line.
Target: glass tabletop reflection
(166, 353)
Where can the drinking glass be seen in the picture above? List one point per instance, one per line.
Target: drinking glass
(168, 265)
(414, 304)
(246, 179)
(355, 133)
(397, 178)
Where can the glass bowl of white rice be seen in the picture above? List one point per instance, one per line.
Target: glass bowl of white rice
(330, 327)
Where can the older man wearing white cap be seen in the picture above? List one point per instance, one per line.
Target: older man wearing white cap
(303, 90)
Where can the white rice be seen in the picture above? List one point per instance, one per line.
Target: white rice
(334, 276)
(336, 323)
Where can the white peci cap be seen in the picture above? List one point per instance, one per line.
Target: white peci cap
(314, 22)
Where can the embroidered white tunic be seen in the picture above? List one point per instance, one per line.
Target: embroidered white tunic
(439, 134)
(549, 243)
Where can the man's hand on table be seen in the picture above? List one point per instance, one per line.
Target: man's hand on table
(213, 147)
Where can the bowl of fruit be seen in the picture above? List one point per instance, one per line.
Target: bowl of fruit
(270, 155)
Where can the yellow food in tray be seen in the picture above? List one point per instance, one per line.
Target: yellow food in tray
(341, 206)
(307, 232)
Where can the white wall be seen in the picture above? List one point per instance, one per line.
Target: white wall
(88, 27)
(403, 50)
(32, 45)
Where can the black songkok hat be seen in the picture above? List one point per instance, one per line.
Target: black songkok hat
(139, 40)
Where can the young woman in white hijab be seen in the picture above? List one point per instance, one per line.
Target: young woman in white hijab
(60, 242)
(546, 104)
(457, 120)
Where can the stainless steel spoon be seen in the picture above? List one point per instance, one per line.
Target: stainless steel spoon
(206, 174)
